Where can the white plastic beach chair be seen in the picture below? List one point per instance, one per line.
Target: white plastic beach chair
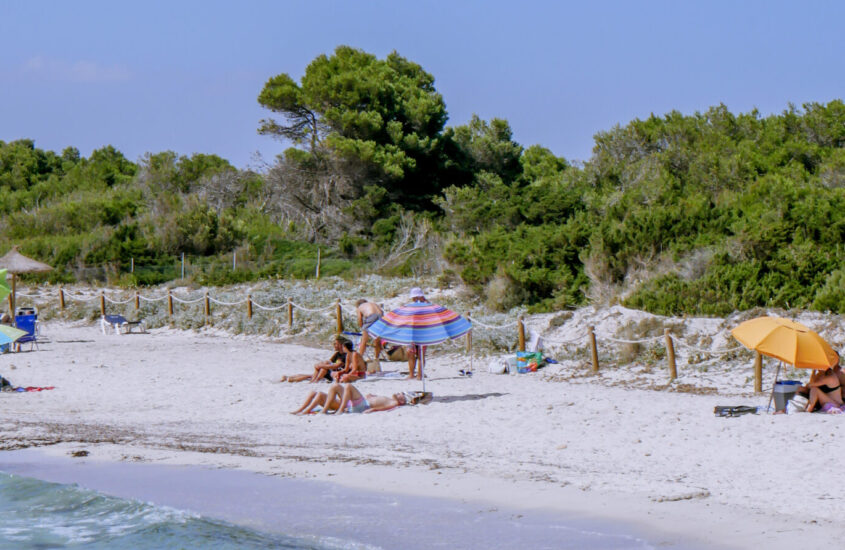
(120, 324)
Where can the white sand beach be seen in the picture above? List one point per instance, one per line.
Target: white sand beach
(622, 445)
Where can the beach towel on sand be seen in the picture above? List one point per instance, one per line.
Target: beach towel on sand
(5, 385)
(735, 410)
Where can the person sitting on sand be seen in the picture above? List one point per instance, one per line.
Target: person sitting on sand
(355, 368)
(368, 313)
(840, 374)
(826, 391)
(340, 399)
(324, 369)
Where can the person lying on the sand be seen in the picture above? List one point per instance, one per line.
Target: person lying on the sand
(324, 369)
(355, 368)
(340, 399)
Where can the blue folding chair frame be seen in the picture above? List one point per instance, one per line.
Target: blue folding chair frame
(28, 323)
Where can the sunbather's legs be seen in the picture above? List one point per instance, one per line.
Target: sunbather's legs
(813, 400)
(320, 373)
(365, 338)
(350, 394)
(819, 398)
(333, 400)
(412, 361)
(351, 377)
(313, 400)
(296, 378)
(415, 359)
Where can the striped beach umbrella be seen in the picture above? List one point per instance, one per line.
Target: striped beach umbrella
(420, 324)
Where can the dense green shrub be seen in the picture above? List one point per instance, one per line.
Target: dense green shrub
(704, 213)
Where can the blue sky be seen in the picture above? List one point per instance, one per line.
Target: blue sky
(184, 75)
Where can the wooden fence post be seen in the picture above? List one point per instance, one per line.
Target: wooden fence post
(137, 301)
(758, 372)
(207, 309)
(469, 337)
(62, 298)
(169, 303)
(520, 333)
(249, 306)
(339, 313)
(12, 304)
(594, 352)
(102, 303)
(317, 273)
(290, 314)
(670, 354)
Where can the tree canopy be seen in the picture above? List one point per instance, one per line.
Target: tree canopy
(382, 119)
(703, 213)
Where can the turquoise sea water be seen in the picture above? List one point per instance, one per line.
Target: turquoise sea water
(41, 515)
(51, 502)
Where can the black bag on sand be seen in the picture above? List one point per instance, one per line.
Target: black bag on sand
(735, 410)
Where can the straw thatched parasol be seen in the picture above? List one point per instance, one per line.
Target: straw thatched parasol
(14, 262)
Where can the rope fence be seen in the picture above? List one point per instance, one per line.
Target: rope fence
(590, 339)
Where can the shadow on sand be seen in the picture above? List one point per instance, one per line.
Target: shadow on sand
(468, 397)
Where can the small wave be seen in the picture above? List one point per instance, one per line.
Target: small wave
(42, 515)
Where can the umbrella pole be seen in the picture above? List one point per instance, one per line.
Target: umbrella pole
(12, 301)
(772, 395)
(421, 359)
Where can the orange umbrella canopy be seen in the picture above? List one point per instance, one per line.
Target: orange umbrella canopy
(786, 340)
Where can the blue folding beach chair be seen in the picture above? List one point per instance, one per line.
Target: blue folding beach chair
(354, 336)
(28, 324)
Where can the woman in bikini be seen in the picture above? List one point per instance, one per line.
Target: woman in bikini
(826, 391)
(355, 369)
(341, 399)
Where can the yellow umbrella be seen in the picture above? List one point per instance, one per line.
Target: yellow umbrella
(788, 341)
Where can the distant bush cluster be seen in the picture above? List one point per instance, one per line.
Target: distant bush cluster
(705, 213)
